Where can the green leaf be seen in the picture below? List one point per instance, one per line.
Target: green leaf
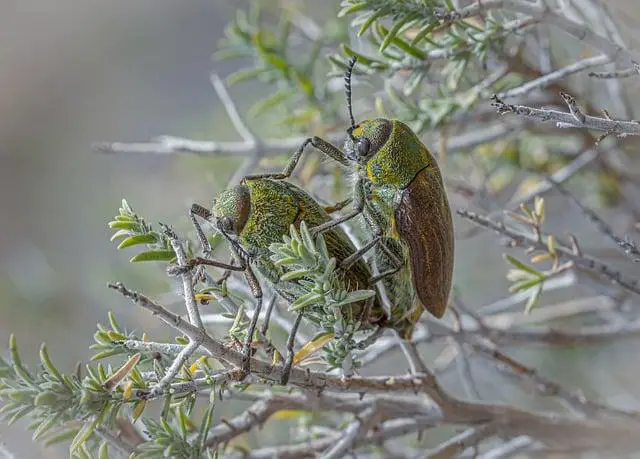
(243, 75)
(105, 354)
(358, 295)
(285, 261)
(352, 9)
(17, 361)
(45, 426)
(398, 24)
(423, 32)
(362, 59)
(48, 364)
(129, 226)
(154, 255)
(370, 20)
(147, 238)
(306, 300)
(60, 437)
(120, 234)
(46, 398)
(271, 101)
(126, 207)
(103, 452)
(115, 326)
(307, 238)
(83, 435)
(294, 275)
(520, 265)
(524, 285)
(533, 299)
(205, 425)
(276, 61)
(330, 267)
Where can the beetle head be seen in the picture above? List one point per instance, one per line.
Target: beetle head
(231, 209)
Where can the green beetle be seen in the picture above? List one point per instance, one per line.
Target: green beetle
(400, 192)
(256, 214)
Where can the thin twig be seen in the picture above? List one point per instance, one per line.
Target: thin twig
(238, 123)
(632, 71)
(553, 77)
(458, 443)
(509, 448)
(628, 247)
(573, 119)
(583, 261)
(187, 279)
(551, 428)
(346, 441)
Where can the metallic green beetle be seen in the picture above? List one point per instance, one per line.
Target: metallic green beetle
(257, 213)
(400, 192)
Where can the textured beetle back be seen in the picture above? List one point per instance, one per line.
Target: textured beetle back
(423, 220)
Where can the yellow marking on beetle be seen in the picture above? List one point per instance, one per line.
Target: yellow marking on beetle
(370, 175)
(394, 229)
(357, 132)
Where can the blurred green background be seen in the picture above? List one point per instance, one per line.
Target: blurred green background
(75, 72)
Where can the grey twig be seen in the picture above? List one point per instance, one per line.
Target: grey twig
(549, 427)
(574, 119)
(192, 310)
(254, 144)
(462, 360)
(187, 278)
(170, 145)
(349, 435)
(509, 448)
(561, 175)
(555, 76)
(149, 346)
(628, 247)
(174, 368)
(458, 443)
(583, 261)
(238, 122)
(634, 70)
(410, 351)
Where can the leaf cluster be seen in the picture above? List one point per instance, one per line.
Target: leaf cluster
(327, 301)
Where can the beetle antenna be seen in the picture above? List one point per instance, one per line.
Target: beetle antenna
(347, 89)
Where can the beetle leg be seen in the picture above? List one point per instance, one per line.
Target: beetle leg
(198, 211)
(369, 340)
(286, 369)
(320, 144)
(394, 260)
(354, 257)
(256, 291)
(337, 206)
(358, 204)
(270, 349)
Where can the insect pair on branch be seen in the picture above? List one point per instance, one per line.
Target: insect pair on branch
(399, 192)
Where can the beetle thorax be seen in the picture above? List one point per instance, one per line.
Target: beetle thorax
(399, 160)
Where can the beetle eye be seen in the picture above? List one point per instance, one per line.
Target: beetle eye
(363, 146)
(225, 224)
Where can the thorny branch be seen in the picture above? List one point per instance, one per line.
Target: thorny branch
(511, 420)
(574, 119)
